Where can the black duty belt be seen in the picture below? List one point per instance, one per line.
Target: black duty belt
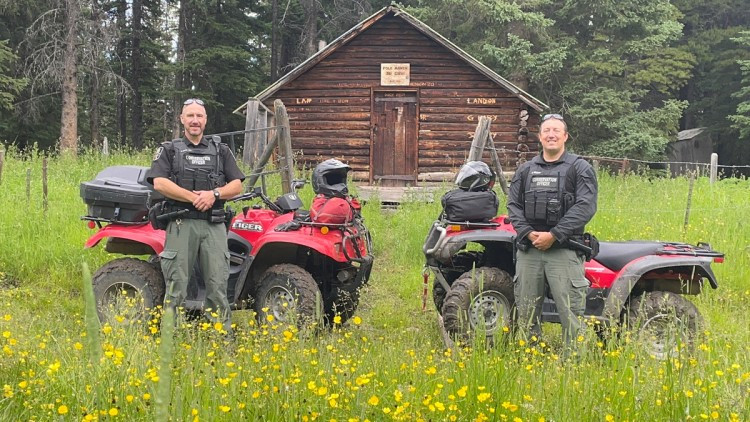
(191, 214)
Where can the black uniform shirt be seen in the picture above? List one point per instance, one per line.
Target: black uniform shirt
(162, 164)
(575, 218)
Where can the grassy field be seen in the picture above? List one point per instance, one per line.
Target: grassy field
(387, 363)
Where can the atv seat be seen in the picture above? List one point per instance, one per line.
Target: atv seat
(615, 255)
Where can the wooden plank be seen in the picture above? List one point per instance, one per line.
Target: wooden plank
(468, 126)
(471, 91)
(344, 150)
(349, 64)
(342, 116)
(323, 142)
(309, 92)
(320, 125)
(330, 133)
(250, 150)
(465, 118)
(481, 134)
(460, 145)
(391, 55)
(286, 157)
(328, 109)
(331, 85)
(458, 136)
(309, 100)
(468, 110)
(471, 100)
(322, 76)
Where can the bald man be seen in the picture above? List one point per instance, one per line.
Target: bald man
(196, 173)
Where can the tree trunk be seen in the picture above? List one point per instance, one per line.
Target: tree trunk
(518, 75)
(180, 74)
(122, 105)
(94, 88)
(69, 119)
(136, 112)
(94, 121)
(310, 31)
(274, 40)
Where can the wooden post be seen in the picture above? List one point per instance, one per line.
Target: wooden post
(480, 138)
(498, 166)
(624, 168)
(286, 159)
(105, 146)
(44, 185)
(28, 186)
(2, 162)
(595, 164)
(689, 201)
(250, 150)
(714, 167)
(261, 163)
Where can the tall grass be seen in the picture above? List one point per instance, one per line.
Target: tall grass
(388, 362)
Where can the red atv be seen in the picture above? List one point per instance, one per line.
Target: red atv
(281, 263)
(641, 283)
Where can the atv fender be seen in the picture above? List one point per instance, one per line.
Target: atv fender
(142, 233)
(329, 244)
(632, 273)
(448, 244)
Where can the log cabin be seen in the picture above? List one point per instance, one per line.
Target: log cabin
(400, 103)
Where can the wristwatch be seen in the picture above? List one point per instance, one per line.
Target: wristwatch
(216, 194)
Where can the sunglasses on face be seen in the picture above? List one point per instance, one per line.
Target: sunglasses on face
(552, 116)
(193, 100)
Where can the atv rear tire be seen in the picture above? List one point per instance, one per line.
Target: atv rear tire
(438, 295)
(341, 302)
(481, 300)
(288, 294)
(663, 322)
(128, 288)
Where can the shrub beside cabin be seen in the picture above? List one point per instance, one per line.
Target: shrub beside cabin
(399, 103)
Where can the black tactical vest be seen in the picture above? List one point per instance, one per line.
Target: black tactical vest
(549, 192)
(198, 169)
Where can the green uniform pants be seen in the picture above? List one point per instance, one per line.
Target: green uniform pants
(186, 240)
(563, 271)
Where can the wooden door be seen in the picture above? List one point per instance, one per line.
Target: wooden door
(394, 139)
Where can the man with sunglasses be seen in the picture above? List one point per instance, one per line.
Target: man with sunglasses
(552, 197)
(196, 173)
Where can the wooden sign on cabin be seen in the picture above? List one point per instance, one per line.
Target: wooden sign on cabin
(394, 74)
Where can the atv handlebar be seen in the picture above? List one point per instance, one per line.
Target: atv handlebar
(257, 193)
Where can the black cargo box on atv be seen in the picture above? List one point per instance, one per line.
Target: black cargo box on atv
(120, 193)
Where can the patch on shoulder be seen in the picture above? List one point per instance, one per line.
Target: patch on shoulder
(158, 152)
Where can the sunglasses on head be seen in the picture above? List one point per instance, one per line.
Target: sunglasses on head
(193, 100)
(553, 116)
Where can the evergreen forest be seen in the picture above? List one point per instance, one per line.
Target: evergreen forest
(627, 74)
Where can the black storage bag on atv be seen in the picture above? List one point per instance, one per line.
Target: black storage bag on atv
(475, 207)
(120, 193)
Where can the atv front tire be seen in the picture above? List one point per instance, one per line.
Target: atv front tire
(480, 300)
(288, 294)
(663, 322)
(126, 290)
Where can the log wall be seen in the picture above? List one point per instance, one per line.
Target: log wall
(329, 105)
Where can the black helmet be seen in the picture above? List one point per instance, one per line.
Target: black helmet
(329, 178)
(475, 176)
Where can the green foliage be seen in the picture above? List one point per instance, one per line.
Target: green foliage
(742, 118)
(9, 85)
